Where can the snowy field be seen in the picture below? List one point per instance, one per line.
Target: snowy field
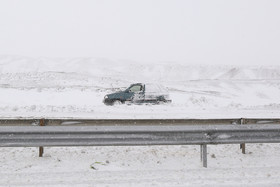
(74, 88)
(45, 87)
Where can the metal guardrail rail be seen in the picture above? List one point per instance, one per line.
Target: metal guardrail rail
(134, 122)
(169, 133)
(137, 135)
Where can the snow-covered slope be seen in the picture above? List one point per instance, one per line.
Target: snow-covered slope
(164, 71)
(62, 87)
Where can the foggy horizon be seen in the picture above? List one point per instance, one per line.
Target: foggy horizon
(193, 32)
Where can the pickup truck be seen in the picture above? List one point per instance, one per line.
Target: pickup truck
(139, 93)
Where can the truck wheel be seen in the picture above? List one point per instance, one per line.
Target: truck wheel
(161, 100)
(117, 102)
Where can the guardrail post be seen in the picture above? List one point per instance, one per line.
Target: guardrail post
(242, 146)
(41, 149)
(203, 155)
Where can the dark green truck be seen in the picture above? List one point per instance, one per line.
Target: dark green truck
(139, 93)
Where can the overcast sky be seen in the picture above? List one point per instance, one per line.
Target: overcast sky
(195, 31)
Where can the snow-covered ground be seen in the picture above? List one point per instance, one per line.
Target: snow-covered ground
(141, 166)
(61, 87)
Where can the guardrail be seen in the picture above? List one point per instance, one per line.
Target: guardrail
(138, 135)
(93, 122)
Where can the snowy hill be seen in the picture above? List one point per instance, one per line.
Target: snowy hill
(76, 87)
(166, 71)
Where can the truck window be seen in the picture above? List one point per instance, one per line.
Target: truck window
(136, 88)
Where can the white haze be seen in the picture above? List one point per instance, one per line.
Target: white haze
(190, 32)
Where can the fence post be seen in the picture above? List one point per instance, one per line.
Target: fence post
(242, 146)
(41, 149)
(203, 155)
